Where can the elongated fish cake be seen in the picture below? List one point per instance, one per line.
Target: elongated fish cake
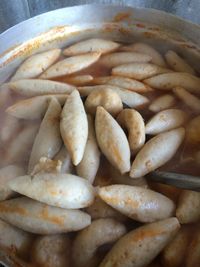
(112, 140)
(80, 80)
(36, 87)
(89, 164)
(156, 152)
(70, 65)
(188, 99)
(123, 82)
(33, 108)
(139, 247)
(139, 71)
(48, 140)
(38, 218)
(162, 102)
(60, 190)
(119, 58)
(188, 208)
(167, 81)
(92, 45)
(74, 127)
(36, 64)
(177, 63)
(166, 120)
(140, 204)
(134, 123)
(147, 50)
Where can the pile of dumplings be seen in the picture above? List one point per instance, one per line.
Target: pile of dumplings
(82, 127)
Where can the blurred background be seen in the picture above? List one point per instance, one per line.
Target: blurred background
(15, 11)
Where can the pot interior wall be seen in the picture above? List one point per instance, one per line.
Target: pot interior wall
(62, 27)
(65, 26)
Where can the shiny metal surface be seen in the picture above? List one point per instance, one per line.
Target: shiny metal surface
(15, 11)
(64, 26)
(182, 181)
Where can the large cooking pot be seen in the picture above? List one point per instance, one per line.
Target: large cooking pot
(62, 27)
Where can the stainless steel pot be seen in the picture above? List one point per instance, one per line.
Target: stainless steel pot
(62, 27)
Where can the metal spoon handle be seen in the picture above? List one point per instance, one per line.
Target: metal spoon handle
(183, 181)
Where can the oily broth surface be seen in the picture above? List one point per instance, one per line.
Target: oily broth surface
(182, 162)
